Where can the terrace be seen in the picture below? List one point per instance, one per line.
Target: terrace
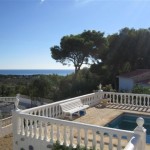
(40, 127)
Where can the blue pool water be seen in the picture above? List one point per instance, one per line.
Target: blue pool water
(127, 121)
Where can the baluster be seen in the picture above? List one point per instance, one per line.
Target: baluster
(55, 111)
(114, 98)
(34, 112)
(40, 114)
(110, 142)
(129, 100)
(53, 114)
(45, 132)
(111, 99)
(19, 125)
(59, 111)
(94, 140)
(40, 131)
(86, 138)
(140, 100)
(58, 133)
(121, 99)
(22, 126)
(144, 103)
(108, 96)
(30, 128)
(132, 100)
(148, 101)
(52, 131)
(65, 136)
(135, 100)
(119, 143)
(117, 99)
(79, 137)
(35, 129)
(43, 112)
(46, 112)
(26, 129)
(102, 141)
(125, 98)
(112, 95)
(71, 136)
(50, 112)
(129, 137)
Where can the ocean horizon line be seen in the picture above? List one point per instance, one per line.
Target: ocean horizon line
(62, 72)
(36, 69)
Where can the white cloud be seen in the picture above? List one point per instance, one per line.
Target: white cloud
(42, 1)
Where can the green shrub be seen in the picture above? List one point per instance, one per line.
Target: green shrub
(58, 146)
(141, 90)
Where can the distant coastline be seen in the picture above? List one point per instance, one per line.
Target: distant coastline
(62, 72)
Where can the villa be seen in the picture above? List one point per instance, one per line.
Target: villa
(138, 77)
(40, 127)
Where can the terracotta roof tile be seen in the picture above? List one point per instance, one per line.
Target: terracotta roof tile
(135, 73)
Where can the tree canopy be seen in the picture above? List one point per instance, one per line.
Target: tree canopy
(79, 49)
(128, 50)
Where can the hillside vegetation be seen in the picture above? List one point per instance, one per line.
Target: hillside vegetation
(108, 57)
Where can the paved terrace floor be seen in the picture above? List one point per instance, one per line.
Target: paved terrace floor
(101, 116)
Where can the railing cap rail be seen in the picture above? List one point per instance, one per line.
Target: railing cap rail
(70, 123)
(56, 103)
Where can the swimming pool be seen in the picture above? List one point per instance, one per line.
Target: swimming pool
(127, 121)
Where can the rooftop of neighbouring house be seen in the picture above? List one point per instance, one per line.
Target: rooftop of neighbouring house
(138, 72)
(145, 82)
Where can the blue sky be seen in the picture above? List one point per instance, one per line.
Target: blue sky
(28, 28)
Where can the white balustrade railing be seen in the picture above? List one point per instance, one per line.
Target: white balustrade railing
(54, 109)
(41, 123)
(138, 141)
(14, 100)
(69, 133)
(7, 99)
(132, 99)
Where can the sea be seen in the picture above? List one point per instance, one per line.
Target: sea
(62, 72)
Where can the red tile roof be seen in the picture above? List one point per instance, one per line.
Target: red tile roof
(147, 82)
(135, 73)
